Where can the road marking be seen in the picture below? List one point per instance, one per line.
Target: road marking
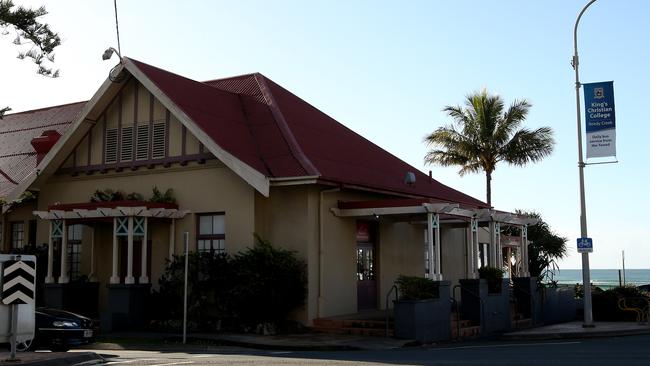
(173, 363)
(506, 345)
(129, 361)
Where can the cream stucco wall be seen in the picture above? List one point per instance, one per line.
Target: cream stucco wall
(200, 188)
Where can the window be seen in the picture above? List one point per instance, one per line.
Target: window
(212, 233)
(143, 142)
(158, 149)
(75, 233)
(110, 152)
(127, 144)
(17, 235)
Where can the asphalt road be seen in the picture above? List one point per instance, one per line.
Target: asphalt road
(632, 350)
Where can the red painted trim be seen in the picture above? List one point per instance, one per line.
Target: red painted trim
(119, 128)
(167, 134)
(150, 132)
(294, 147)
(135, 122)
(104, 140)
(110, 204)
(103, 168)
(184, 140)
(90, 144)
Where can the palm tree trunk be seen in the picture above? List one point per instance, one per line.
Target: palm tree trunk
(488, 182)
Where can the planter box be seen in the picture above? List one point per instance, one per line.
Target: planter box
(424, 320)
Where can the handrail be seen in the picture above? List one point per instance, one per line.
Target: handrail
(394, 287)
(532, 302)
(481, 307)
(642, 314)
(453, 297)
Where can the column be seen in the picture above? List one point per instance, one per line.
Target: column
(475, 249)
(524, 251)
(129, 261)
(430, 245)
(50, 256)
(114, 277)
(143, 266)
(497, 241)
(92, 277)
(492, 256)
(471, 233)
(172, 239)
(63, 278)
(436, 236)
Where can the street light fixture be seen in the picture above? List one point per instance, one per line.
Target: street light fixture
(109, 53)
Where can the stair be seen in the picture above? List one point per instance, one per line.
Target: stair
(518, 320)
(363, 327)
(463, 329)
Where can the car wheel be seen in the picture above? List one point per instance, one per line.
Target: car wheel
(26, 346)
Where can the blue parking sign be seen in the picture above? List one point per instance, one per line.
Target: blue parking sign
(585, 245)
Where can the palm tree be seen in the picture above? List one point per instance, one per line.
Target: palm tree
(484, 134)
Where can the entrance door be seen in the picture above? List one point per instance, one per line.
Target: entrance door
(366, 267)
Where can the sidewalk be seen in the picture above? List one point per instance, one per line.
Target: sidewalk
(573, 330)
(51, 358)
(290, 342)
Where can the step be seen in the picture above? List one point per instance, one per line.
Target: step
(522, 323)
(461, 324)
(351, 323)
(355, 331)
(466, 332)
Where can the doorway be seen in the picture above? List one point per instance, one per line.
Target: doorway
(366, 265)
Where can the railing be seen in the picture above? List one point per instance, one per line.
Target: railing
(396, 289)
(481, 307)
(642, 314)
(533, 309)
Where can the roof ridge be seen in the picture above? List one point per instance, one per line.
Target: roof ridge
(43, 109)
(288, 135)
(231, 77)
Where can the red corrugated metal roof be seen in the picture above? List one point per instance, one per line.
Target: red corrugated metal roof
(17, 157)
(257, 121)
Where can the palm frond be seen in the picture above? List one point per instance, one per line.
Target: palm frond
(528, 146)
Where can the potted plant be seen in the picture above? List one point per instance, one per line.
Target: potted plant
(494, 278)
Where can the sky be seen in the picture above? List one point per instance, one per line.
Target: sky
(386, 69)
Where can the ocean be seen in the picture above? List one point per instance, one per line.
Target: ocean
(604, 278)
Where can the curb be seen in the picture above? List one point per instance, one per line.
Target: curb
(85, 358)
(574, 335)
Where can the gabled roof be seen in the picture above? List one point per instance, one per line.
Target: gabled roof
(17, 157)
(264, 132)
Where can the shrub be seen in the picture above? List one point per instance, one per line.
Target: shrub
(416, 288)
(270, 283)
(255, 289)
(605, 303)
(494, 277)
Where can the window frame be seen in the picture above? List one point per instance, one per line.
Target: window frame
(211, 237)
(74, 251)
(12, 239)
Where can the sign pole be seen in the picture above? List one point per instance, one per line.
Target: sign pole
(14, 332)
(586, 280)
(187, 252)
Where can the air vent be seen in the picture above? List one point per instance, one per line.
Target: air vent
(158, 141)
(127, 144)
(110, 153)
(142, 151)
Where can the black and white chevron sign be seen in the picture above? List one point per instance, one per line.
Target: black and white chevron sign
(18, 279)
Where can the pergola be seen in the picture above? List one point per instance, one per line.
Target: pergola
(433, 214)
(129, 218)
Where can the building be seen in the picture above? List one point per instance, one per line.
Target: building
(242, 155)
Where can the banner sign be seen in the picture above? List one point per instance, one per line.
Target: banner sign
(600, 119)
